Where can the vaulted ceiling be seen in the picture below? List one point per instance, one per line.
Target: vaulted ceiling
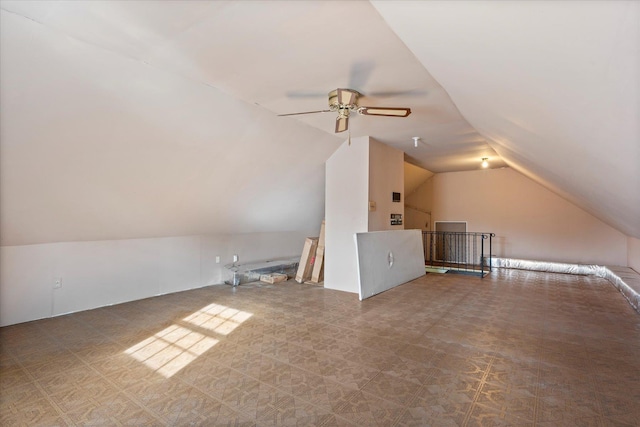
(144, 118)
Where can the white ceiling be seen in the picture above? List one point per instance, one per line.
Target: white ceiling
(553, 86)
(140, 119)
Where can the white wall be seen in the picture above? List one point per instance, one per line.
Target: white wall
(553, 85)
(530, 221)
(365, 170)
(633, 253)
(99, 273)
(386, 175)
(387, 259)
(98, 146)
(346, 212)
(418, 207)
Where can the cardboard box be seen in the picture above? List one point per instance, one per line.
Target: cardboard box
(321, 238)
(317, 273)
(307, 259)
(273, 278)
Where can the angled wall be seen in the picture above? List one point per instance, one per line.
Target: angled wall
(529, 221)
(418, 207)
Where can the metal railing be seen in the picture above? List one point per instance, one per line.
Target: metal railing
(458, 251)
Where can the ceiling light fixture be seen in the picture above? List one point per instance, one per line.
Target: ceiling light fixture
(485, 162)
(415, 141)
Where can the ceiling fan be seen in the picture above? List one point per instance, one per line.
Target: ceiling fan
(345, 101)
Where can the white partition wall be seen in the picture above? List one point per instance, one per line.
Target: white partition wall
(346, 212)
(356, 174)
(387, 259)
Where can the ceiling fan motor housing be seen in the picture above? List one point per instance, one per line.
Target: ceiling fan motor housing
(343, 99)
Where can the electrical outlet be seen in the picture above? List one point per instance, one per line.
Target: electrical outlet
(217, 260)
(235, 258)
(57, 283)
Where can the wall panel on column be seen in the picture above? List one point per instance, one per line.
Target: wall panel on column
(387, 259)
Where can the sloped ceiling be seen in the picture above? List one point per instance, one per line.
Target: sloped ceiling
(414, 177)
(553, 86)
(144, 118)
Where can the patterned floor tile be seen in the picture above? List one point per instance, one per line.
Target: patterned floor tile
(183, 407)
(345, 372)
(51, 358)
(447, 387)
(429, 416)
(113, 410)
(149, 390)
(35, 412)
(363, 409)
(480, 415)
(82, 394)
(7, 361)
(286, 410)
(517, 348)
(49, 363)
(13, 377)
(409, 370)
(20, 396)
(96, 349)
(392, 388)
(123, 370)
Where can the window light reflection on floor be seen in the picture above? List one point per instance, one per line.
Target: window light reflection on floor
(173, 348)
(218, 318)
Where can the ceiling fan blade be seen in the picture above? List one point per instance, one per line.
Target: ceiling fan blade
(342, 124)
(384, 111)
(391, 93)
(303, 94)
(346, 97)
(360, 73)
(306, 112)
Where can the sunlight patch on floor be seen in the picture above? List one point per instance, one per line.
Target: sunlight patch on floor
(218, 318)
(173, 348)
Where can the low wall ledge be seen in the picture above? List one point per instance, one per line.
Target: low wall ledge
(625, 279)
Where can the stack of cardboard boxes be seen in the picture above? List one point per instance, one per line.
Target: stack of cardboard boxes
(311, 267)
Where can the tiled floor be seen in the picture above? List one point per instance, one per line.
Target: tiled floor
(516, 348)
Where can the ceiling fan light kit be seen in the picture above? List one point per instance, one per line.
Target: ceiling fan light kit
(344, 101)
